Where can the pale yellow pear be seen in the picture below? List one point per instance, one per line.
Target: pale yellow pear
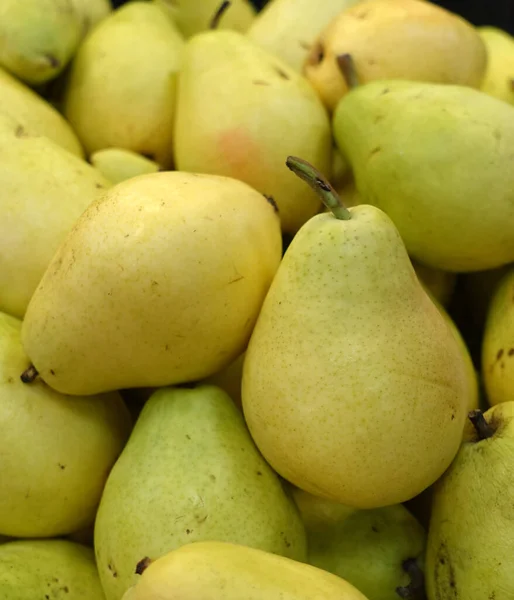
(43, 191)
(160, 282)
(246, 127)
(48, 569)
(120, 90)
(396, 39)
(289, 28)
(499, 76)
(36, 115)
(194, 16)
(354, 387)
(56, 451)
(222, 571)
(118, 164)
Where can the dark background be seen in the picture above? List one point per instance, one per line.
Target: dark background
(480, 12)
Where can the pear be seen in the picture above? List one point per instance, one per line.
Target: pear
(38, 37)
(160, 282)
(118, 164)
(44, 189)
(441, 284)
(471, 535)
(56, 451)
(193, 447)
(92, 12)
(397, 39)
(380, 551)
(214, 570)
(289, 28)
(36, 116)
(120, 91)
(229, 379)
(396, 135)
(499, 76)
(354, 387)
(50, 569)
(194, 16)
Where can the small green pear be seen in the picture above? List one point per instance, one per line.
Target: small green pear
(160, 282)
(38, 37)
(120, 91)
(380, 551)
(56, 451)
(118, 164)
(354, 386)
(397, 135)
(244, 128)
(471, 535)
(499, 76)
(48, 569)
(190, 472)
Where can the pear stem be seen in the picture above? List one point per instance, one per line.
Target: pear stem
(29, 375)
(347, 67)
(319, 183)
(215, 21)
(142, 565)
(482, 427)
(416, 588)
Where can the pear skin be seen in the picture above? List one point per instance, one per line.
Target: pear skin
(193, 446)
(118, 164)
(499, 76)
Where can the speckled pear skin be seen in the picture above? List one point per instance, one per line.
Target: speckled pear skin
(354, 387)
(190, 472)
(48, 569)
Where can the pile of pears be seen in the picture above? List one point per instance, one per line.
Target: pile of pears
(256, 301)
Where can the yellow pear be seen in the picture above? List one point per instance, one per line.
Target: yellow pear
(499, 76)
(120, 91)
(223, 571)
(118, 164)
(160, 282)
(396, 39)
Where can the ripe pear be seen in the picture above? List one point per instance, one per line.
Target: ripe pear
(56, 451)
(194, 16)
(396, 135)
(118, 164)
(378, 551)
(499, 76)
(38, 37)
(92, 12)
(246, 127)
(120, 90)
(354, 387)
(215, 570)
(471, 534)
(192, 446)
(44, 189)
(289, 28)
(160, 282)
(397, 39)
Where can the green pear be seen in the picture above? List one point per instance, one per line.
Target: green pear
(246, 127)
(190, 472)
(120, 91)
(48, 569)
(160, 282)
(56, 451)
(441, 284)
(378, 551)
(38, 37)
(289, 28)
(194, 16)
(44, 189)
(471, 535)
(92, 12)
(499, 76)
(118, 164)
(397, 135)
(354, 387)
(38, 117)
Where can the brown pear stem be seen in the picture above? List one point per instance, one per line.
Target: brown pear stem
(347, 68)
(29, 375)
(215, 21)
(482, 427)
(416, 588)
(320, 184)
(142, 565)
